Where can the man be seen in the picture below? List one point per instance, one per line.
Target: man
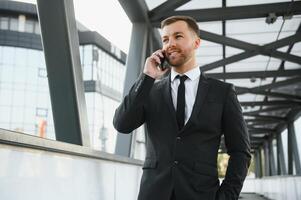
(186, 114)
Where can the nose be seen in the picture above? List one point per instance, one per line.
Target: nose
(171, 43)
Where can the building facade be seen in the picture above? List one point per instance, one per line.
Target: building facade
(25, 104)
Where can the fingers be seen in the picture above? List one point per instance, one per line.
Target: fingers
(157, 55)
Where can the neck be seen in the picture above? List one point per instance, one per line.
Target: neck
(190, 64)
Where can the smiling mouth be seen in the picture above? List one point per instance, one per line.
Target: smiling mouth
(173, 53)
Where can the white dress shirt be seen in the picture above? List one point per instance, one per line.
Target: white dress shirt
(191, 87)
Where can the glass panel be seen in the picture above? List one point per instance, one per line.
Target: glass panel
(13, 25)
(243, 3)
(197, 4)
(4, 23)
(298, 135)
(26, 107)
(284, 143)
(29, 26)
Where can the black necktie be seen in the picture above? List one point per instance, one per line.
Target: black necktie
(181, 101)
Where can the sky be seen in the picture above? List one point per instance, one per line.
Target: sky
(105, 17)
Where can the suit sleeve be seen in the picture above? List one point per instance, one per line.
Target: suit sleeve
(131, 112)
(238, 147)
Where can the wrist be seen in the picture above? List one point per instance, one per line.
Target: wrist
(150, 74)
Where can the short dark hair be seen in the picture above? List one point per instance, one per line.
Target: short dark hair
(191, 22)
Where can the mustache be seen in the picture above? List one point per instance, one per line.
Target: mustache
(169, 51)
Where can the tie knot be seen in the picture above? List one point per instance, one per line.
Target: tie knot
(182, 78)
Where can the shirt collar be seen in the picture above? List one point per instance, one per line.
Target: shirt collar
(192, 74)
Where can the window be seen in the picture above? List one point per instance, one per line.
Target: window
(13, 25)
(29, 26)
(4, 23)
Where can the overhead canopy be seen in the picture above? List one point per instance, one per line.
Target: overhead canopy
(253, 44)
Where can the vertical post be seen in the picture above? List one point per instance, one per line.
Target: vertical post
(294, 147)
(258, 164)
(134, 66)
(289, 148)
(280, 156)
(266, 159)
(61, 49)
(272, 159)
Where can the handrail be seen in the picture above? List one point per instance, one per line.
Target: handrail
(24, 140)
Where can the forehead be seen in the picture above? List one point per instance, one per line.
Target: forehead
(179, 26)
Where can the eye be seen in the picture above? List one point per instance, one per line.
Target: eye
(179, 36)
(165, 40)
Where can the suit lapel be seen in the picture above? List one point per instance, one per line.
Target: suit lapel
(199, 100)
(168, 99)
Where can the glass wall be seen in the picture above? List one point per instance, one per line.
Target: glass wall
(19, 23)
(98, 65)
(25, 104)
(284, 143)
(298, 135)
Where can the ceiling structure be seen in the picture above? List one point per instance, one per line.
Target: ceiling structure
(253, 44)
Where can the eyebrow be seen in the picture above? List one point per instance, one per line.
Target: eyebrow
(175, 33)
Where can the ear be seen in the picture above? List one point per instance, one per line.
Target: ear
(197, 42)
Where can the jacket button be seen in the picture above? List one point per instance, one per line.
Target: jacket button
(175, 162)
(179, 138)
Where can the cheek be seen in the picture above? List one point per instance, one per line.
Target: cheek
(187, 49)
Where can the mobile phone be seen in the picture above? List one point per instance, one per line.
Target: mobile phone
(163, 65)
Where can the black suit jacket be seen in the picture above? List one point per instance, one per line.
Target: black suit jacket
(186, 161)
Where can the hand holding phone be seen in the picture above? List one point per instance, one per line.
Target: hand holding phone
(163, 65)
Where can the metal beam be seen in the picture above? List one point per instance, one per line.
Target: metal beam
(240, 12)
(272, 158)
(165, 8)
(281, 167)
(267, 110)
(136, 10)
(269, 103)
(258, 164)
(266, 117)
(259, 122)
(251, 49)
(142, 30)
(281, 66)
(263, 120)
(134, 64)
(264, 49)
(261, 130)
(266, 159)
(242, 90)
(255, 74)
(61, 49)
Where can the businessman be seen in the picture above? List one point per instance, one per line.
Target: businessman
(186, 114)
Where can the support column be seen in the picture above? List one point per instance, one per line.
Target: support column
(134, 66)
(258, 164)
(61, 49)
(293, 149)
(280, 156)
(266, 159)
(271, 158)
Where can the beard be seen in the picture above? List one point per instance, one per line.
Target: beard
(177, 60)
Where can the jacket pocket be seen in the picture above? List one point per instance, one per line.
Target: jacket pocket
(150, 164)
(205, 178)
